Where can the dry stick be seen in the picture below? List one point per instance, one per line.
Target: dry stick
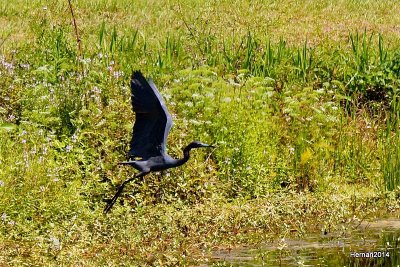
(78, 39)
(190, 29)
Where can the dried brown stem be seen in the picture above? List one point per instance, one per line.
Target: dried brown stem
(78, 39)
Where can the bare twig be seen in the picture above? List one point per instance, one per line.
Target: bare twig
(78, 39)
(190, 30)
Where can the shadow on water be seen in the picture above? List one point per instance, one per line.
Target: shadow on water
(370, 244)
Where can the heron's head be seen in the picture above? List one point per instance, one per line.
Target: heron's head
(196, 144)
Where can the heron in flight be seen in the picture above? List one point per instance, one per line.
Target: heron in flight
(150, 132)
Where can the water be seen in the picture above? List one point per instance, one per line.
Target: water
(371, 244)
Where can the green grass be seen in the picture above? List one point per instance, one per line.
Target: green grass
(301, 100)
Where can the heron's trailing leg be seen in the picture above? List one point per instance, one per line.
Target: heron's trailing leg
(119, 191)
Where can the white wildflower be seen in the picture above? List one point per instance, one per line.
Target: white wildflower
(227, 99)
(55, 243)
(68, 148)
(118, 74)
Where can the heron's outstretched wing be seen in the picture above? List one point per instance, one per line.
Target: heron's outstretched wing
(153, 120)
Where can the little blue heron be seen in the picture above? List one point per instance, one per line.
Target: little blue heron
(150, 132)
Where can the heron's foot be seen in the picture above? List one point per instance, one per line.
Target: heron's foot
(113, 200)
(119, 191)
(110, 204)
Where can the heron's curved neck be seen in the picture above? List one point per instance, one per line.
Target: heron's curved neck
(186, 156)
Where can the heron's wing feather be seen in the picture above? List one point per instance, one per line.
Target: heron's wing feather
(168, 123)
(153, 120)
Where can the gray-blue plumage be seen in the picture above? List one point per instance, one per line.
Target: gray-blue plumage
(153, 120)
(150, 132)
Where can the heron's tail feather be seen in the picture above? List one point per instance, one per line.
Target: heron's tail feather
(135, 164)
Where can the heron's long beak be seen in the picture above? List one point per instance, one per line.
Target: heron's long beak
(209, 146)
(206, 145)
